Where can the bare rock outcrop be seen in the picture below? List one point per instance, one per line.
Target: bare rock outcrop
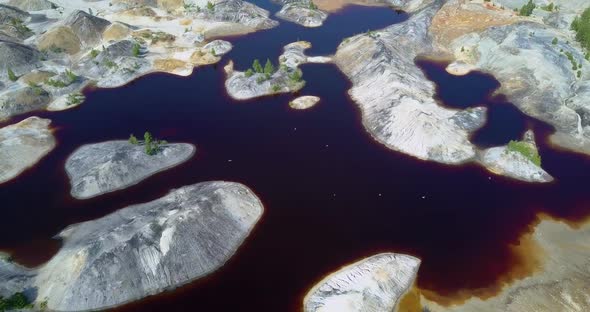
(141, 250)
(101, 168)
(374, 284)
(22, 145)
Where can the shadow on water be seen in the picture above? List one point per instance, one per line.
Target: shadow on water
(332, 195)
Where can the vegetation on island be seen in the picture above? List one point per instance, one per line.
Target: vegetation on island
(151, 146)
(525, 149)
(581, 25)
(15, 302)
(527, 9)
(75, 98)
(312, 6)
(57, 83)
(11, 75)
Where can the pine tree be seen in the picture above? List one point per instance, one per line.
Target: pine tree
(269, 69)
(257, 67)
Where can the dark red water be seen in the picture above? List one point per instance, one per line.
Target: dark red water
(332, 194)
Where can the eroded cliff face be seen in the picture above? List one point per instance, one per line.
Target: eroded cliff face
(142, 249)
(374, 284)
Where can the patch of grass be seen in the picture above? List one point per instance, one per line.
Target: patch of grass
(526, 150)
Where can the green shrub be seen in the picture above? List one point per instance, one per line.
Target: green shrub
(133, 140)
(136, 49)
(555, 41)
(312, 6)
(296, 76)
(276, 88)
(210, 6)
(11, 75)
(526, 150)
(549, 8)
(527, 9)
(581, 25)
(94, 53)
(74, 99)
(249, 72)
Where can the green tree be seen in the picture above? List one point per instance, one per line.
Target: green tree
(133, 140)
(554, 42)
(581, 25)
(136, 49)
(11, 75)
(296, 76)
(528, 8)
(257, 67)
(269, 69)
(147, 141)
(249, 72)
(210, 6)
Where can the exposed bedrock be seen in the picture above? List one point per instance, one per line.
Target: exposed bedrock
(142, 249)
(395, 97)
(542, 69)
(22, 145)
(100, 168)
(374, 284)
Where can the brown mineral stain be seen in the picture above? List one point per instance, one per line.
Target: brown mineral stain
(410, 301)
(526, 260)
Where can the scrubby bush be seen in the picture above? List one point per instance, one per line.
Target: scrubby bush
(527, 9)
(581, 25)
(11, 75)
(249, 72)
(526, 150)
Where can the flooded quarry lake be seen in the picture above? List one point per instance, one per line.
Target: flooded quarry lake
(332, 193)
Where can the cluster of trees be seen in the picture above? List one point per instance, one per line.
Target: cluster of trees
(257, 68)
(70, 78)
(581, 25)
(151, 146)
(526, 150)
(527, 9)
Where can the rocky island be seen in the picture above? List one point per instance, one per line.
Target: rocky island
(141, 250)
(101, 168)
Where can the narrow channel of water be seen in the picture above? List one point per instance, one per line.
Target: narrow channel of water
(332, 194)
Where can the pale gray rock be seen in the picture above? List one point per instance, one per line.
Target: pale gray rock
(219, 46)
(396, 99)
(23, 100)
(302, 13)
(32, 5)
(374, 284)
(143, 249)
(10, 13)
(20, 58)
(304, 102)
(96, 169)
(88, 28)
(240, 12)
(22, 145)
